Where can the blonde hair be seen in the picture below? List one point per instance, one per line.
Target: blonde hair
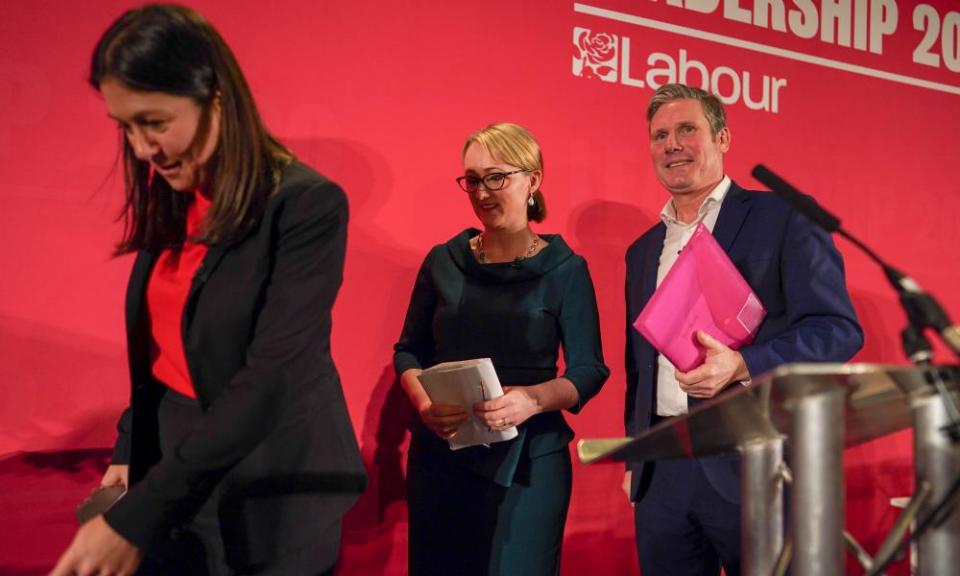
(514, 145)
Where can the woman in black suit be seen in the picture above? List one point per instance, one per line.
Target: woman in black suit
(237, 435)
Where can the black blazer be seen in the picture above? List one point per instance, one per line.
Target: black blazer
(275, 438)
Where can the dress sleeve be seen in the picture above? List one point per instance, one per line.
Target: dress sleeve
(821, 323)
(291, 339)
(580, 335)
(415, 349)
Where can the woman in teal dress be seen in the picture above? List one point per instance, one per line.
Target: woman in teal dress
(516, 297)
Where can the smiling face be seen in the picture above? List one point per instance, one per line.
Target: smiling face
(687, 157)
(504, 209)
(175, 134)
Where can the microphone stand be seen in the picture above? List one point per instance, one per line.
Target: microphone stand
(922, 309)
(923, 312)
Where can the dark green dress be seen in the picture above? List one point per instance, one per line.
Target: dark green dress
(498, 510)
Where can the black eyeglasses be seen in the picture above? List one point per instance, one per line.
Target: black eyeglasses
(492, 181)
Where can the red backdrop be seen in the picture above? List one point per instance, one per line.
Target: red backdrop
(380, 96)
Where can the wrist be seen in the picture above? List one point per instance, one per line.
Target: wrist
(534, 398)
(423, 408)
(742, 373)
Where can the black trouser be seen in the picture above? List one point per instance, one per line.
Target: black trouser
(197, 548)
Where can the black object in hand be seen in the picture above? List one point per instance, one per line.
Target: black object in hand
(99, 502)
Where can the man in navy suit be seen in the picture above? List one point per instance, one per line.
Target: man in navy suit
(687, 512)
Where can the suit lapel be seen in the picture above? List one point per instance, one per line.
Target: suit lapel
(733, 213)
(210, 262)
(137, 318)
(137, 289)
(140, 276)
(651, 262)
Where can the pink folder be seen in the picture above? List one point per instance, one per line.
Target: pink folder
(703, 291)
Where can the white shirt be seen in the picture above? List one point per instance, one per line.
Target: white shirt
(671, 400)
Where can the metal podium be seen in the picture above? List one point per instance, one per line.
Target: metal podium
(817, 409)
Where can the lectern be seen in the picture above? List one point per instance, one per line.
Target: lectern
(817, 409)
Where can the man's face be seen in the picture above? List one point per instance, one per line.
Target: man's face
(687, 158)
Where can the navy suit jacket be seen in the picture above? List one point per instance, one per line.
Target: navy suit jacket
(795, 270)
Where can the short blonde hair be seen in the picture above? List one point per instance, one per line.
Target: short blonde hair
(514, 145)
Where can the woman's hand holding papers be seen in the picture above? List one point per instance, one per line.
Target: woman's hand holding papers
(722, 366)
(443, 419)
(517, 404)
(520, 403)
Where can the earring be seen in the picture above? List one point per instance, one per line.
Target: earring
(530, 200)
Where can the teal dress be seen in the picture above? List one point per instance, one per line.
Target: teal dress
(498, 510)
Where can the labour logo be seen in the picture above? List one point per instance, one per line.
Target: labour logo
(595, 55)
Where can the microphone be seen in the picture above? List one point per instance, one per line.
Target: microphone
(922, 309)
(800, 202)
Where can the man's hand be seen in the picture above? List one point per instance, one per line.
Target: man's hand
(625, 485)
(98, 549)
(721, 367)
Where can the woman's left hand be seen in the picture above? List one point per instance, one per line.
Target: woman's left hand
(513, 408)
(98, 549)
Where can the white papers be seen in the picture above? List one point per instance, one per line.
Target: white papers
(465, 383)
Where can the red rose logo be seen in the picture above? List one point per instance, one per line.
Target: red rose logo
(597, 48)
(595, 55)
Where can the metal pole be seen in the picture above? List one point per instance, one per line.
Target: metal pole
(817, 432)
(761, 514)
(937, 461)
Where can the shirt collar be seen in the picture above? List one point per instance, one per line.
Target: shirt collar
(669, 214)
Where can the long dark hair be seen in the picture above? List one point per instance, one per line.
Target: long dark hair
(173, 49)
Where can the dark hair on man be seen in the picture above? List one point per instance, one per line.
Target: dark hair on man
(712, 106)
(173, 49)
